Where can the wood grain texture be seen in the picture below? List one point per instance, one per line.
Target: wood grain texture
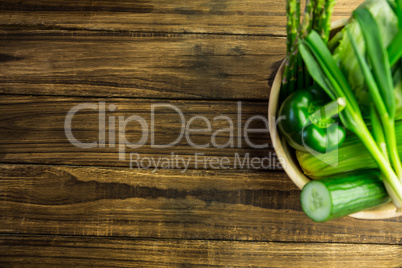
(223, 205)
(255, 17)
(105, 252)
(102, 48)
(63, 206)
(141, 65)
(33, 132)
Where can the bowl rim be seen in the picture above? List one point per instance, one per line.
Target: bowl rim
(283, 151)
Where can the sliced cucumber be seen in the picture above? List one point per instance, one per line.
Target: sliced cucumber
(336, 197)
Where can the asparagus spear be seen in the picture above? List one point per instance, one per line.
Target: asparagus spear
(317, 16)
(318, 7)
(326, 19)
(293, 21)
(306, 25)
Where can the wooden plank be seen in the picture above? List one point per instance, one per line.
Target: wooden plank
(137, 64)
(43, 251)
(218, 204)
(200, 16)
(142, 65)
(33, 131)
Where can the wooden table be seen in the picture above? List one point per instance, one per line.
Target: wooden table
(118, 63)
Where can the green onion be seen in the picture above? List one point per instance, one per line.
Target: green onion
(399, 12)
(378, 131)
(395, 49)
(379, 82)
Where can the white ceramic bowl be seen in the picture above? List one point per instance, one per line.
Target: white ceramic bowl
(286, 153)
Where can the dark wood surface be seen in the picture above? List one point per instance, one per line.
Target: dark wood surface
(66, 206)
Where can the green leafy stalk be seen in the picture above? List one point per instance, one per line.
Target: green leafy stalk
(335, 41)
(399, 12)
(371, 84)
(378, 57)
(325, 72)
(378, 131)
(379, 137)
(395, 48)
(380, 84)
(300, 72)
(332, 72)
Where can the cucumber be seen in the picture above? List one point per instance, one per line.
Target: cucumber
(335, 197)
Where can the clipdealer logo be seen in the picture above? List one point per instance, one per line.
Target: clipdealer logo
(112, 133)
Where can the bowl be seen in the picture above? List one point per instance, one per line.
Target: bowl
(287, 155)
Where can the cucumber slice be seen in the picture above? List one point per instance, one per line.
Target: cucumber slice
(335, 197)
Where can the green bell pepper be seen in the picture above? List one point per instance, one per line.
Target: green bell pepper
(306, 119)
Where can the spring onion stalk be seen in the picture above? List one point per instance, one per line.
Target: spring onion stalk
(387, 22)
(378, 57)
(326, 73)
(384, 112)
(379, 136)
(334, 42)
(378, 131)
(300, 72)
(399, 12)
(383, 94)
(395, 49)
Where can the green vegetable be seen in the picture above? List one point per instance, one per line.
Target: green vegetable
(358, 78)
(326, 19)
(292, 27)
(350, 156)
(317, 16)
(307, 122)
(339, 196)
(321, 17)
(378, 131)
(344, 55)
(398, 90)
(306, 25)
(379, 83)
(326, 73)
(399, 12)
(395, 49)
